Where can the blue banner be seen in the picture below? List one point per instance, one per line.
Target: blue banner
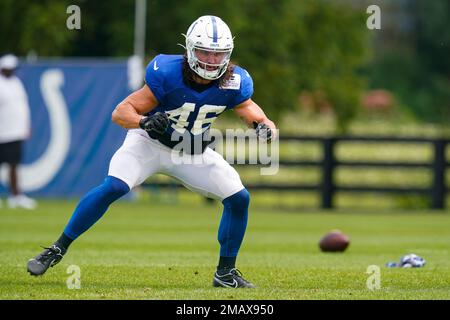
(73, 138)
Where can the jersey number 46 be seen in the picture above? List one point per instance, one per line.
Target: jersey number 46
(180, 117)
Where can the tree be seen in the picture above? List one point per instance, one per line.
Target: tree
(34, 25)
(287, 46)
(417, 69)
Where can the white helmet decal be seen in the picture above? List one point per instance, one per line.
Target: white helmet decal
(209, 44)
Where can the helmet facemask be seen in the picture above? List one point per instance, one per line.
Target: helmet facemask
(211, 71)
(208, 46)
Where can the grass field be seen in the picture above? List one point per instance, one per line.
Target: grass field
(163, 251)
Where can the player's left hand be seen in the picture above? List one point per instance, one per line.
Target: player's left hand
(263, 132)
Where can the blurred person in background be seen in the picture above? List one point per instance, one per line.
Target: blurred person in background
(14, 128)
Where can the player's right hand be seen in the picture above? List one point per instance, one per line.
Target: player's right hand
(156, 123)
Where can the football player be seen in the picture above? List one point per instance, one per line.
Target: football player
(182, 96)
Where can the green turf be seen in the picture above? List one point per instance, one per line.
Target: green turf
(163, 251)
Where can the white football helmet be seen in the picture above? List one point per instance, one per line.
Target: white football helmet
(209, 44)
(412, 261)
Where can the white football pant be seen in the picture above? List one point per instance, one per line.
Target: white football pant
(140, 157)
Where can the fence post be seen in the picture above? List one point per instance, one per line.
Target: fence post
(328, 165)
(438, 190)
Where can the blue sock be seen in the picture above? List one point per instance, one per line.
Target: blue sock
(93, 205)
(233, 224)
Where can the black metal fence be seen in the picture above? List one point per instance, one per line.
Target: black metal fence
(328, 188)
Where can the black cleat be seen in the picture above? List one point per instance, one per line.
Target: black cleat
(48, 258)
(231, 279)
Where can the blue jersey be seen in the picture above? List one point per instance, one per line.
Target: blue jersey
(192, 112)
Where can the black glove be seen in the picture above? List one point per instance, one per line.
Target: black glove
(155, 124)
(263, 132)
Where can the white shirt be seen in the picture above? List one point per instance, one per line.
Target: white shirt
(14, 110)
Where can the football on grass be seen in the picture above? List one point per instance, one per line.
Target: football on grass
(334, 241)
